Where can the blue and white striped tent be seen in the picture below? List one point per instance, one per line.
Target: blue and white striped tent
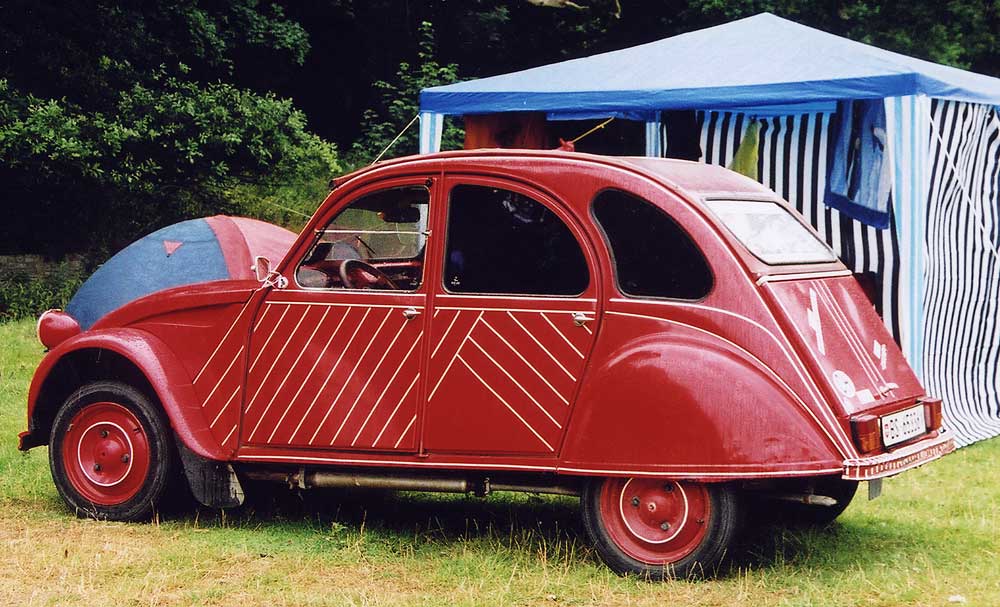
(938, 261)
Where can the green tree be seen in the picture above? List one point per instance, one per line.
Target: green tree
(117, 118)
(398, 104)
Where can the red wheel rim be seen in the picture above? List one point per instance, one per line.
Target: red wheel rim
(654, 521)
(105, 453)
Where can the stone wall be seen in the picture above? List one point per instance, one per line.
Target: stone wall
(35, 265)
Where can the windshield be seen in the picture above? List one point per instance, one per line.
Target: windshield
(770, 232)
(385, 225)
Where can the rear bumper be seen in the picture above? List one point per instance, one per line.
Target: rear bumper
(900, 460)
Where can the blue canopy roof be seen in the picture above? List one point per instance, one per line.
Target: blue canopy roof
(759, 60)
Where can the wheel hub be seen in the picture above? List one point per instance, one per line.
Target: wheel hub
(661, 513)
(105, 453)
(654, 521)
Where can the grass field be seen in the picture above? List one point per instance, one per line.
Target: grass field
(932, 539)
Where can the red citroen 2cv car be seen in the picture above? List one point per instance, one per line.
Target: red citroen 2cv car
(663, 339)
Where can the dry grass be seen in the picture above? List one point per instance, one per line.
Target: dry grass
(933, 536)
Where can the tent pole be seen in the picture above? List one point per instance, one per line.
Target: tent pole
(908, 119)
(431, 128)
(654, 140)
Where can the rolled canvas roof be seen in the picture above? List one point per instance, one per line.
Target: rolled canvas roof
(197, 250)
(759, 60)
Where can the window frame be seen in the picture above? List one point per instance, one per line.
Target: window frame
(346, 202)
(614, 263)
(550, 202)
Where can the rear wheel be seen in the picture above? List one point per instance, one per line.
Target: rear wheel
(110, 452)
(660, 529)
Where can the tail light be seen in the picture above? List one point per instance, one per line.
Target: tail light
(867, 433)
(932, 412)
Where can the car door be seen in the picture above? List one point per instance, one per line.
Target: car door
(335, 357)
(514, 320)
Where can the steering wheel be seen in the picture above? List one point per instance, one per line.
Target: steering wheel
(350, 269)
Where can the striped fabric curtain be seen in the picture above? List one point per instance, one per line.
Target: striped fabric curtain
(792, 162)
(962, 292)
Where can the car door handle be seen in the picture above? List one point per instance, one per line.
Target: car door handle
(410, 313)
(580, 319)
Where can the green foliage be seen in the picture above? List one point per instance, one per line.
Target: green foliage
(118, 119)
(24, 296)
(161, 153)
(289, 204)
(398, 104)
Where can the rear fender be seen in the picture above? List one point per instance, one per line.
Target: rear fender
(691, 405)
(159, 367)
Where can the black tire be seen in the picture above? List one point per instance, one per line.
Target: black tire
(111, 453)
(703, 532)
(817, 516)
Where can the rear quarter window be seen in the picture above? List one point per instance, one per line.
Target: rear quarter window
(653, 256)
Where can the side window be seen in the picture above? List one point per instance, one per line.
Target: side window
(653, 256)
(503, 242)
(377, 242)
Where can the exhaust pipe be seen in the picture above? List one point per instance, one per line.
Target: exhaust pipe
(307, 479)
(806, 498)
(440, 484)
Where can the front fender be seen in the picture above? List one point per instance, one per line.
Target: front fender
(685, 403)
(160, 367)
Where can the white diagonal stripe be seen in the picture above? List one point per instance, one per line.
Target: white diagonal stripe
(350, 375)
(393, 414)
(452, 361)
(560, 333)
(228, 436)
(274, 331)
(222, 377)
(525, 361)
(277, 358)
(224, 407)
(261, 319)
(511, 378)
(539, 344)
(371, 376)
(387, 385)
(405, 430)
(222, 341)
(305, 381)
(291, 370)
(330, 374)
(446, 331)
(512, 410)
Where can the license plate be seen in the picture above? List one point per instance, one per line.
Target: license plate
(898, 427)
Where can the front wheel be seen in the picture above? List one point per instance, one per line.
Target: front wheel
(110, 452)
(660, 529)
